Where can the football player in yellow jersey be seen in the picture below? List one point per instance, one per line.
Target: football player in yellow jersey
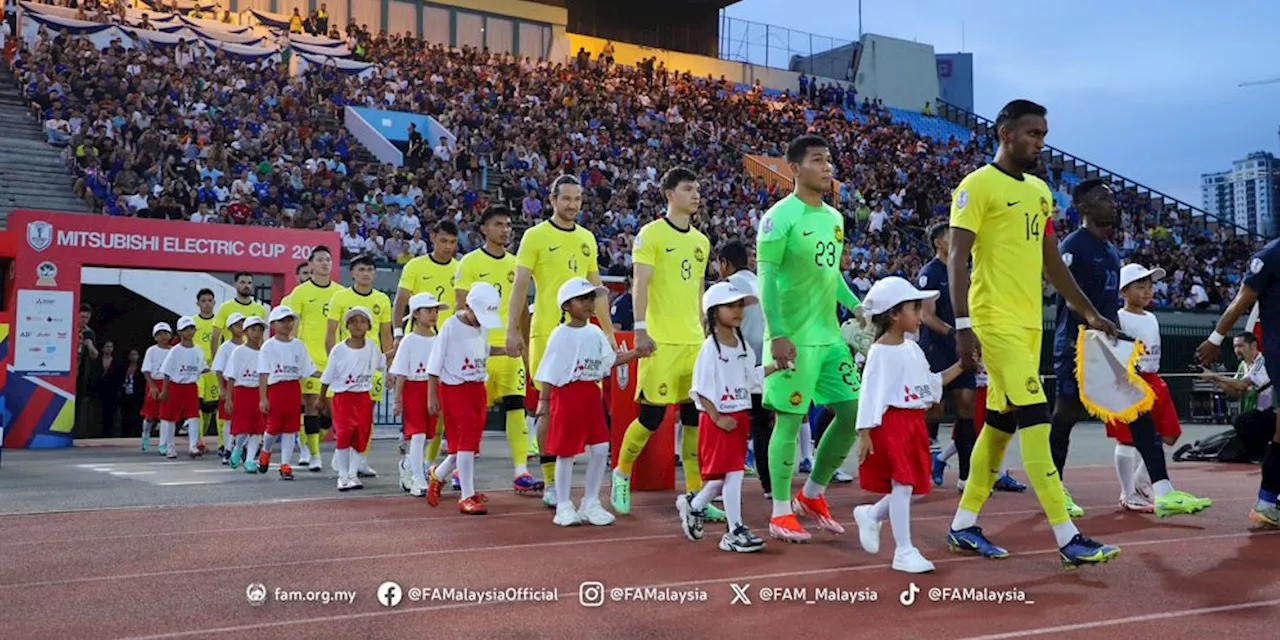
(551, 253)
(243, 303)
(208, 383)
(670, 258)
(362, 294)
(1001, 215)
(506, 385)
(433, 273)
(310, 300)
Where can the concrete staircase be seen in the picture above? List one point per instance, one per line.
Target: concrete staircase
(32, 173)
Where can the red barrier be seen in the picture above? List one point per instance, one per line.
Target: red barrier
(655, 469)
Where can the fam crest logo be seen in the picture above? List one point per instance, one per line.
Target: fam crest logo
(46, 274)
(39, 235)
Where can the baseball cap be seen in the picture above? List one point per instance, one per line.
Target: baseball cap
(254, 321)
(357, 311)
(160, 326)
(574, 287)
(423, 301)
(234, 318)
(724, 293)
(1131, 273)
(280, 313)
(890, 292)
(483, 300)
(185, 322)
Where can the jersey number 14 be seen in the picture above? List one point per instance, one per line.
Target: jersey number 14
(1033, 225)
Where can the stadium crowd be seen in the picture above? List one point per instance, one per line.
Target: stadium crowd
(172, 133)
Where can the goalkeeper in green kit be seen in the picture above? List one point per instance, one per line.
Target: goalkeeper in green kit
(798, 252)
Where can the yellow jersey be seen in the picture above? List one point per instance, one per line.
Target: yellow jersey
(311, 302)
(679, 260)
(554, 255)
(424, 275)
(1011, 216)
(204, 335)
(252, 310)
(375, 301)
(481, 266)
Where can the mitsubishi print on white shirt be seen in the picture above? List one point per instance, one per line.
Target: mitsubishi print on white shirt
(726, 377)
(242, 366)
(460, 352)
(224, 354)
(1146, 328)
(412, 357)
(575, 353)
(152, 360)
(896, 376)
(351, 370)
(285, 361)
(183, 365)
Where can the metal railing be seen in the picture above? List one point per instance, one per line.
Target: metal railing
(781, 48)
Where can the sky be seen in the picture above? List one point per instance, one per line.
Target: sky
(1145, 89)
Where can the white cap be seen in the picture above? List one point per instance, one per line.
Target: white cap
(254, 321)
(234, 318)
(1134, 272)
(890, 292)
(724, 293)
(423, 301)
(185, 322)
(574, 287)
(280, 313)
(356, 311)
(160, 326)
(483, 300)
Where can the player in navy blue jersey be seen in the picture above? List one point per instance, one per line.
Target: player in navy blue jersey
(1095, 264)
(1261, 286)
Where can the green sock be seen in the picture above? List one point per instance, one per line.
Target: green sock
(836, 443)
(782, 453)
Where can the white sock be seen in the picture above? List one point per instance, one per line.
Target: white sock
(1065, 532)
(733, 498)
(467, 473)
(1162, 488)
(710, 489)
(226, 433)
(241, 440)
(781, 507)
(353, 464)
(167, 431)
(364, 460)
(286, 449)
(964, 519)
(947, 452)
(564, 480)
(1126, 466)
(1004, 464)
(812, 489)
(880, 510)
(268, 442)
(251, 450)
(1140, 475)
(195, 433)
(445, 468)
(521, 470)
(597, 466)
(679, 436)
(341, 459)
(417, 454)
(806, 440)
(900, 515)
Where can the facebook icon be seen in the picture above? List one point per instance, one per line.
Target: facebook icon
(389, 594)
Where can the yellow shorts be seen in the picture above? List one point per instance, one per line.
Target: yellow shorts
(537, 348)
(208, 387)
(1012, 359)
(506, 378)
(667, 376)
(311, 386)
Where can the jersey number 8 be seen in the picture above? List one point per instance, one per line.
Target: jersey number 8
(686, 270)
(825, 254)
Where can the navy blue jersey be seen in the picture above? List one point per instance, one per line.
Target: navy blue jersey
(1095, 264)
(933, 277)
(1264, 278)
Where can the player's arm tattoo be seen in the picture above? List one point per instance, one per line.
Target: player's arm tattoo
(958, 269)
(1059, 275)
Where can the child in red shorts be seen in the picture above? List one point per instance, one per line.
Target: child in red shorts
(897, 389)
(240, 371)
(410, 369)
(180, 393)
(349, 375)
(235, 326)
(282, 364)
(724, 378)
(456, 391)
(577, 358)
(151, 362)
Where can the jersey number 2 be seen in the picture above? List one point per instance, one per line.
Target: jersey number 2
(1033, 225)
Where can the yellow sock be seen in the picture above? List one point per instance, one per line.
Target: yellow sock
(517, 437)
(984, 466)
(313, 443)
(632, 445)
(689, 458)
(433, 447)
(548, 473)
(1037, 459)
(224, 438)
(205, 419)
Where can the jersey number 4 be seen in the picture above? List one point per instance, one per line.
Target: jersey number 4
(573, 264)
(1033, 225)
(825, 254)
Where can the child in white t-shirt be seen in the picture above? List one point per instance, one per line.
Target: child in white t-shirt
(282, 364)
(240, 371)
(151, 362)
(180, 392)
(410, 369)
(349, 374)
(235, 325)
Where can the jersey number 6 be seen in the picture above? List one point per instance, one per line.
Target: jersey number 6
(825, 254)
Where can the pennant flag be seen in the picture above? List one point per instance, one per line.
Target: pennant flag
(1108, 380)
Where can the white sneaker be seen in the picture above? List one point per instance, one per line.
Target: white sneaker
(317, 464)
(549, 497)
(344, 483)
(333, 464)
(406, 474)
(868, 529)
(842, 477)
(366, 471)
(596, 514)
(910, 561)
(691, 522)
(418, 488)
(355, 483)
(304, 458)
(960, 486)
(566, 515)
(1138, 503)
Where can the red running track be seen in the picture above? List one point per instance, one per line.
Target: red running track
(183, 571)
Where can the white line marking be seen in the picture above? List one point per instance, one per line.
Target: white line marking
(669, 585)
(228, 470)
(1165, 615)
(132, 473)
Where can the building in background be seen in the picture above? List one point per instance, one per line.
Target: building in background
(955, 79)
(1248, 195)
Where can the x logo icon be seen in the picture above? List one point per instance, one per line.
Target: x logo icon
(740, 594)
